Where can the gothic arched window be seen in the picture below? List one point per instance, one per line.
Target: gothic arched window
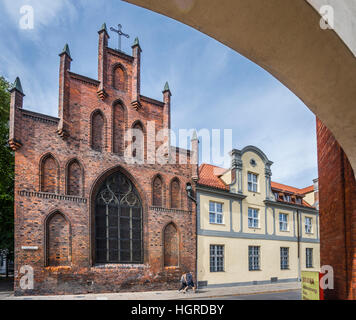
(138, 140)
(97, 131)
(175, 194)
(119, 128)
(118, 222)
(171, 246)
(157, 191)
(58, 240)
(74, 178)
(118, 78)
(49, 174)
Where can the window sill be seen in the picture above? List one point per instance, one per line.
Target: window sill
(172, 268)
(103, 266)
(255, 270)
(219, 224)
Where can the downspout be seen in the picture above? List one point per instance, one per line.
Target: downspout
(189, 195)
(298, 242)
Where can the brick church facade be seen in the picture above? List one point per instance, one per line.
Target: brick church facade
(86, 219)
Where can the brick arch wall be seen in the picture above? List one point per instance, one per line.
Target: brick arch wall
(119, 126)
(74, 178)
(119, 77)
(175, 194)
(141, 144)
(49, 174)
(98, 131)
(58, 238)
(171, 246)
(157, 191)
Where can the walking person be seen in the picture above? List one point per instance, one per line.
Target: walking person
(183, 281)
(189, 282)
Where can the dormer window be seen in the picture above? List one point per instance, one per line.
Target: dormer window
(252, 182)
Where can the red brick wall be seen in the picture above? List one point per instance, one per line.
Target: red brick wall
(337, 200)
(33, 207)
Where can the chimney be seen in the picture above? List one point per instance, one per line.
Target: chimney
(64, 92)
(102, 61)
(136, 69)
(15, 115)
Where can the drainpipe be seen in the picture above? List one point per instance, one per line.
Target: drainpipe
(298, 241)
(189, 191)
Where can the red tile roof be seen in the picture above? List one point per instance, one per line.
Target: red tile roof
(285, 188)
(288, 189)
(209, 175)
(307, 190)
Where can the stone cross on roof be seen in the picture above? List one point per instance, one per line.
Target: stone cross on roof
(120, 33)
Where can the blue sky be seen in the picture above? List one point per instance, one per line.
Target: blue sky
(213, 87)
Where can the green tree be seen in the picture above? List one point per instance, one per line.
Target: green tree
(6, 174)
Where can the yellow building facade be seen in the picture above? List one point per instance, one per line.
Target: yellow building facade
(252, 230)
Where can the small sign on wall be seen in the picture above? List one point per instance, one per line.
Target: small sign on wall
(311, 286)
(29, 248)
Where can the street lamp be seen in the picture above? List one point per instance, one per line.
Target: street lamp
(189, 190)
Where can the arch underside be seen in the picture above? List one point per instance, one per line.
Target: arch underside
(284, 38)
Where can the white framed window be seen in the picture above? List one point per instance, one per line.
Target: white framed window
(308, 225)
(284, 258)
(216, 258)
(283, 222)
(252, 180)
(253, 218)
(309, 257)
(215, 212)
(254, 258)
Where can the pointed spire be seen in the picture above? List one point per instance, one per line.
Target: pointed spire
(66, 51)
(166, 87)
(136, 42)
(195, 136)
(17, 86)
(104, 28)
